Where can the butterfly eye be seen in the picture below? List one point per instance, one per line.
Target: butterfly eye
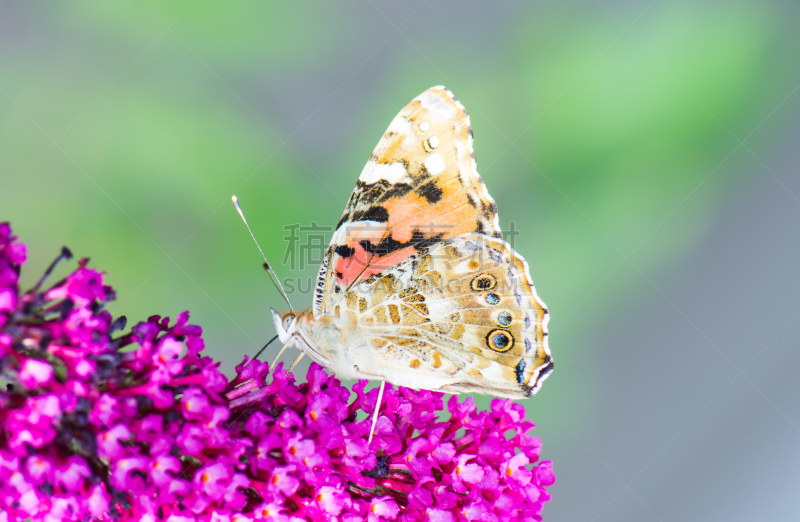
(287, 322)
(500, 340)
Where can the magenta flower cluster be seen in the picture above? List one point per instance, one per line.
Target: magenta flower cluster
(97, 424)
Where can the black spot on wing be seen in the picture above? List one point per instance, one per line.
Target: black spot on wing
(372, 193)
(420, 240)
(396, 190)
(386, 246)
(431, 192)
(490, 207)
(389, 245)
(376, 213)
(345, 251)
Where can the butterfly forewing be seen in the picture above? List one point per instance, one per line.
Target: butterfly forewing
(420, 186)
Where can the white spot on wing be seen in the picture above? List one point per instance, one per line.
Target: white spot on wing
(424, 126)
(433, 141)
(391, 172)
(493, 372)
(340, 235)
(438, 309)
(434, 164)
(439, 102)
(399, 126)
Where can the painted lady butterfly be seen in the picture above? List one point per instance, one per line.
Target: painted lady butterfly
(418, 287)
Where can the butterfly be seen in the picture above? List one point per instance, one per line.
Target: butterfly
(417, 286)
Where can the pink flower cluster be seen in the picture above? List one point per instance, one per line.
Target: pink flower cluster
(97, 424)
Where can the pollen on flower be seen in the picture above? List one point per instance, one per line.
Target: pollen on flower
(103, 423)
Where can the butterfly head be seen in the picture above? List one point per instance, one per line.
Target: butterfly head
(285, 324)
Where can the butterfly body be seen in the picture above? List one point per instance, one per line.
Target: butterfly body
(417, 287)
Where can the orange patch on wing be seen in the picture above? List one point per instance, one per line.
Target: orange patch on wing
(347, 269)
(392, 151)
(449, 218)
(450, 215)
(361, 265)
(403, 209)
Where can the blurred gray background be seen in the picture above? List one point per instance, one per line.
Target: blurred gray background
(645, 151)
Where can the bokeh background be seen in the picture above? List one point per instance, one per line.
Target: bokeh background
(645, 151)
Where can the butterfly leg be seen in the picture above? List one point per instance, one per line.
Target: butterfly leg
(375, 413)
(275, 361)
(296, 360)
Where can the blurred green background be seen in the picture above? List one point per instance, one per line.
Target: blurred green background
(614, 135)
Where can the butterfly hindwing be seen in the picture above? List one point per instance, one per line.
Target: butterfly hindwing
(458, 316)
(420, 186)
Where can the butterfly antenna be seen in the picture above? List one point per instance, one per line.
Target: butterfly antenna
(256, 356)
(267, 266)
